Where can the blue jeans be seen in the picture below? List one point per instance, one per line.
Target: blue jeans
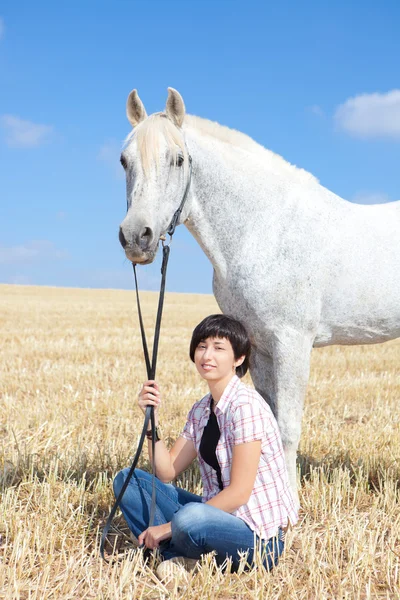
(197, 528)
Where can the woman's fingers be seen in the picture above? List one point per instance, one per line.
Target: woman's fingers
(141, 537)
(149, 395)
(151, 390)
(149, 400)
(151, 383)
(147, 539)
(148, 403)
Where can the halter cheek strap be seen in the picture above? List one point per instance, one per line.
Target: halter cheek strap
(178, 212)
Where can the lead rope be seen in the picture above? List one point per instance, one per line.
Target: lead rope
(151, 373)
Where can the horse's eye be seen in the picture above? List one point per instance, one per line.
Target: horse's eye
(179, 160)
(123, 161)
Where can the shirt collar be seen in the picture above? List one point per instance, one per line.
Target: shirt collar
(227, 394)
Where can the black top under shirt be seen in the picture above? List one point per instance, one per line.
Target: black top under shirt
(208, 444)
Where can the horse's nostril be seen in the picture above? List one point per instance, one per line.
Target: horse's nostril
(146, 234)
(122, 238)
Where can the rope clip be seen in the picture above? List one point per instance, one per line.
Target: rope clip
(163, 240)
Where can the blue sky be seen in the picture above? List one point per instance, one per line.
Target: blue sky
(314, 81)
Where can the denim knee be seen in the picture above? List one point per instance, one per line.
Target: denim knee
(120, 479)
(188, 520)
(118, 482)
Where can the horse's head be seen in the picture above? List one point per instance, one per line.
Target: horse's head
(156, 160)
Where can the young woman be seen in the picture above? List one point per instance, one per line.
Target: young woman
(247, 502)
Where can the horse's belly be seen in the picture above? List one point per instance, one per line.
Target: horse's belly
(363, 308)
(356, 334)
(341, 318)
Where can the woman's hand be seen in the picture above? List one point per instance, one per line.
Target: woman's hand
(152, 536)
(149, 395)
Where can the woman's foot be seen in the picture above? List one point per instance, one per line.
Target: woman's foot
(174, 571)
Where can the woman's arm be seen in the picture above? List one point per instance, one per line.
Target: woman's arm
(170, 463)
(245, 459)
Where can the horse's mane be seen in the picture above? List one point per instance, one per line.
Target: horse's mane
(157, 126)
(237, 138)
(223, 133)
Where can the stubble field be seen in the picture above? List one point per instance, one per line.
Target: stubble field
(70, 370)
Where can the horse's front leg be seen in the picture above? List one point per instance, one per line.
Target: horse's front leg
(262, 374)
(291, 359)
(282, 380)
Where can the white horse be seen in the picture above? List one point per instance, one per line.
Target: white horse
(300, 266)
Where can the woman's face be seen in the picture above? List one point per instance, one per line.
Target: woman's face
(215, 360)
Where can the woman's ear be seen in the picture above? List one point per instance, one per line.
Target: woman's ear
(240, 361)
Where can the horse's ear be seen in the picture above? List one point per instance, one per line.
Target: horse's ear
(175, 108)
(135, 111)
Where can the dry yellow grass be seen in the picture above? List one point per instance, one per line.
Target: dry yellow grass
(71, 366)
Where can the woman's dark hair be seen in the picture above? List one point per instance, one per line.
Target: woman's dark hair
(224, 326)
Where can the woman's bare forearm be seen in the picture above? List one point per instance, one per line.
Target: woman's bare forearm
(168, 463)
(164, 470)
(229, 499)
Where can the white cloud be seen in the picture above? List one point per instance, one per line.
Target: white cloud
(30, 252)
(24, 134)
(316, 110)
(109, 153)
(2, 28)
(371, 198)
(371, 115)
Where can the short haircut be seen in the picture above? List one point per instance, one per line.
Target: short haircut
(224, 326)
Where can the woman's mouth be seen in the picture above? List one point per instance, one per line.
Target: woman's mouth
(207, 367)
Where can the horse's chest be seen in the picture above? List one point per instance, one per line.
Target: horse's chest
(231, 297)
(266, 302)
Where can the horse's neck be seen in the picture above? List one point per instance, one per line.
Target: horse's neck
(230, 190)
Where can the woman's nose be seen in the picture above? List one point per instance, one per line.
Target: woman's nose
(207, 354)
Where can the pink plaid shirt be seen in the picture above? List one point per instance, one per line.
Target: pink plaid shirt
(244, 416)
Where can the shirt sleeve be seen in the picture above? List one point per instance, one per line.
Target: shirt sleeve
(248, 424)
(188, 430)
